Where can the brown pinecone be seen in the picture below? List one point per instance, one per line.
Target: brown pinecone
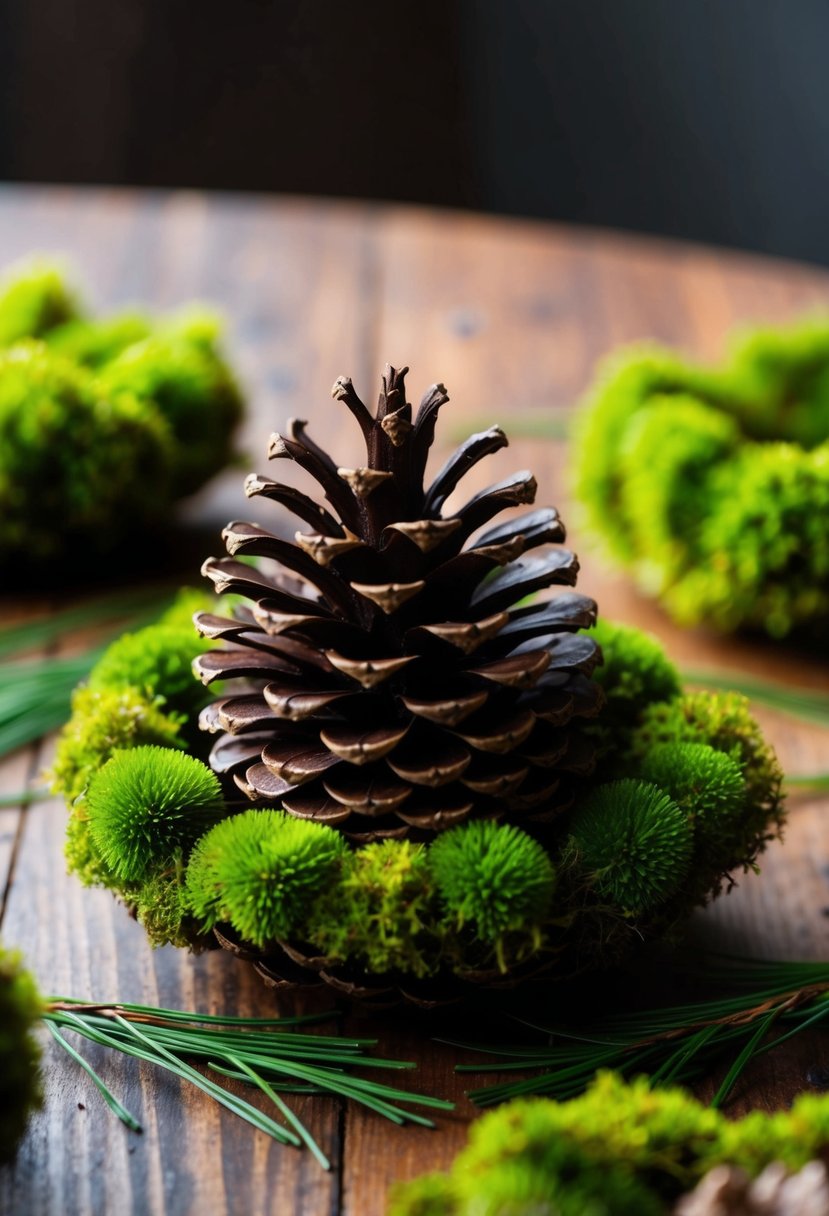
(396, 679)
(726, 1191)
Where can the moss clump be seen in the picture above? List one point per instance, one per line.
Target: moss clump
(620, 1149)
(783, 376)
(34, 298)
(20, 1009)
(179, 369)
(634, 674)
(103, 423)
(162, 906)
(763, 548)
(105, 720)
(706, 784)
(624, 383)
(723, 721)
(96, 343)
(713, 485)
(260, 872)
(76, 464)
(157, 661)
(380, 913)
(633, 843)
(147, 803)
(671, 449)
(495, 879)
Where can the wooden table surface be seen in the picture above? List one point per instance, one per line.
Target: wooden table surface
(511, 316)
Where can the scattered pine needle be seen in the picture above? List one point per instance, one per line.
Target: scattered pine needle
(35, 693)
(24, 798)
(266, 1053)
(17, 639)
(803, 703)
(673, 1045)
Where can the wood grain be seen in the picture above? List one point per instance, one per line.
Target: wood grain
(512, 317)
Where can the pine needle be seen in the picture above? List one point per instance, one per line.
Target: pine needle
(802, 703)
(672, 1045)
(17, 639)
(24, 798)
(267, 1053)
(541, 423)
(35, 693)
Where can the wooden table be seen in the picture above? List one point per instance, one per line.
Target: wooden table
(511, 316)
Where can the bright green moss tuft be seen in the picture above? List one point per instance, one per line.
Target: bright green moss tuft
(147, 803)
(380, 911)
(260, 871)
(157, 661)
(34, 299)
(724, 722)
(705, 783)
(20, 1008)
(493, 877)
(633, 843)
(179, 369)
(75, 464)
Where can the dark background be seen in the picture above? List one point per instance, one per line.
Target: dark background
(706, 119)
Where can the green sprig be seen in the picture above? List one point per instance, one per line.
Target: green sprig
(675, 1044)
(267, 1053)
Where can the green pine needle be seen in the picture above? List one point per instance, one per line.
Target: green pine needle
(803, 703)
(674, 1045)
(148, 601)
(35, 693)
(267, 1053)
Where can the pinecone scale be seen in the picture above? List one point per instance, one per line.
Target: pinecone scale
(396, 680)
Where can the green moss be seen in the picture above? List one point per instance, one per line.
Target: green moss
(95, 343)
(619, 1149)
(380, 910)
(669, 455)
(76, 464)
(103, 423)
(21, 1007)
(157, 661)
(147, 803)
(34, 298)
(162, 906)
(494, 878)
(624, 384)
(705, 783)
(180, 370)
(189, 601)
(260, 871)
(634, 674)
(713, 485)
(632, 842)
(723, 721)
(763, 544)
(781, 377)
(105, 720)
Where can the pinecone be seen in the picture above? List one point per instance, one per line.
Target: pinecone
(727, 1191)
(396, 679)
